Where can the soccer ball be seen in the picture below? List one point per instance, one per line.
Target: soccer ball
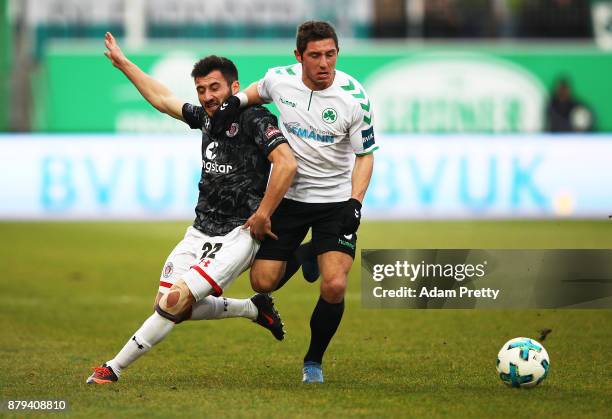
(522, 362)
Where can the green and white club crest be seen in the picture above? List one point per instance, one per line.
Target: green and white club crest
(329, 115)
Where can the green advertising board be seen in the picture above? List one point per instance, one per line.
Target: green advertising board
(415, 89)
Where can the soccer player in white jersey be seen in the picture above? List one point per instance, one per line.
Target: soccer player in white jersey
(326, 116)
(233, 199)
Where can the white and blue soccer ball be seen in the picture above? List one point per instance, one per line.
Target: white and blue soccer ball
(522, 362)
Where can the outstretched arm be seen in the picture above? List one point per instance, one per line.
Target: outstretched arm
(153, 91)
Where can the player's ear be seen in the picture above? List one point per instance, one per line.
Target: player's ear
(235, 87)
(298, 56)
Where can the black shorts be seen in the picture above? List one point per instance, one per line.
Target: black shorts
(291, 222)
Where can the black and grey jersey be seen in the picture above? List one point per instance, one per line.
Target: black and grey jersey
(235, 167)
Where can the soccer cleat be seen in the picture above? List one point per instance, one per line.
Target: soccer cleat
(313, 372)
(267, 316)
(102, 375)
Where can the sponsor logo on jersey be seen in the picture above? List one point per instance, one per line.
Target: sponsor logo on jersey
(213, 167)
(288, 102)
(329, 115)
(308, 134)
(233, 130)
(367, 138)
(272, 132)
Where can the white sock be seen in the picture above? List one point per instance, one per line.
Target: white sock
(152, 331)
(212, 308)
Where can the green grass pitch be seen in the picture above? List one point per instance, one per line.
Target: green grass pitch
(72, 294)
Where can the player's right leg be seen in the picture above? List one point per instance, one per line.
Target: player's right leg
(156, 327)
(171, 308)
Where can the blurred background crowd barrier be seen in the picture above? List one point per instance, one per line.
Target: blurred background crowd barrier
(491, 75)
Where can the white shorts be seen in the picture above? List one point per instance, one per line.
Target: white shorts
(208, 265)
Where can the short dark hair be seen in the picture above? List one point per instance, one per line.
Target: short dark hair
(314, 31)
(212, 63)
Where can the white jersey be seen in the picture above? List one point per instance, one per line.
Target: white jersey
(325, 128)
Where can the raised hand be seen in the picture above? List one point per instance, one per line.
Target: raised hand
(113, 52)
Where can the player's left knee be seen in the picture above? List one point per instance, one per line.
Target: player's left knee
(333, 289)
(176, 304)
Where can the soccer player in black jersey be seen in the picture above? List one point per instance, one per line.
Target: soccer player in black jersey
(232, 214)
